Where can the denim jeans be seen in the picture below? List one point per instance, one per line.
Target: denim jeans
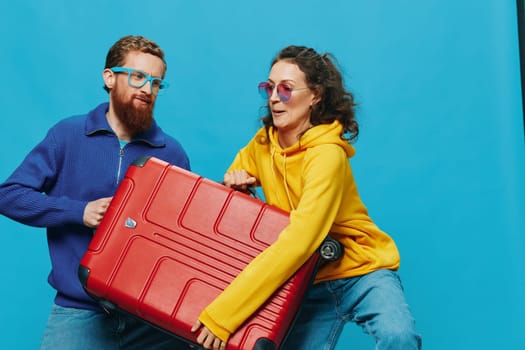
(374, 301)
(77, 329)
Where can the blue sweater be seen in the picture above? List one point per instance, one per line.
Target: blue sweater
(79, 160)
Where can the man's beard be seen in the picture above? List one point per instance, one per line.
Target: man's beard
(135, 120)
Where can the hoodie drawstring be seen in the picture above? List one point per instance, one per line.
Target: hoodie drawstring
(286, 184)
(287, 190)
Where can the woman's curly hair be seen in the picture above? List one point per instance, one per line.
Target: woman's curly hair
(322, 77)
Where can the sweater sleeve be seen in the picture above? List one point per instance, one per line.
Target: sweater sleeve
(23, 195)
(323, 176)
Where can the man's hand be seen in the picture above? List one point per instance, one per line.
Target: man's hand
(95, 210)
(207, 339)
(238, 180)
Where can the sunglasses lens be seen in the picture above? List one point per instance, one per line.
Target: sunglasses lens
(265, 90)
(284, 92)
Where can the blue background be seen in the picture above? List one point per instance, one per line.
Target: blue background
(440, 160)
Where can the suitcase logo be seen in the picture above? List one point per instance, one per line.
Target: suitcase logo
(130, 223)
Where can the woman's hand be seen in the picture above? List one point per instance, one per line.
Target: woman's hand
(207, 339)
(239, 180)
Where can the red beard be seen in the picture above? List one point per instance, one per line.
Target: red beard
(135, 119)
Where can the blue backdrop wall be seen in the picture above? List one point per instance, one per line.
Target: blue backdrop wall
(440, 159)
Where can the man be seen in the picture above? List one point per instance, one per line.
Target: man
(66, 183)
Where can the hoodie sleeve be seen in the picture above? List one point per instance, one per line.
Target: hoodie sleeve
(324, 171)
(245, 159)
(23, 195)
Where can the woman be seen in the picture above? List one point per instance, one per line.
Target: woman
(300, 159)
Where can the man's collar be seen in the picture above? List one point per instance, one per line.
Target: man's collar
(96, 122)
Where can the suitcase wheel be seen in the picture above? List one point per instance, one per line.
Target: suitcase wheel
(331, 250)
(264, 344)
(108, 306)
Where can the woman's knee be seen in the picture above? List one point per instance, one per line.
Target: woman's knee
(398, 337)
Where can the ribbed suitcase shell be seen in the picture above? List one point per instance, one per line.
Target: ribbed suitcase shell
(172, 240)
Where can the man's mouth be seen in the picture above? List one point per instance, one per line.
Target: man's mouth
(142, 99)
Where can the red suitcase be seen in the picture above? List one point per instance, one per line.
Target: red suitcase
(171, 241)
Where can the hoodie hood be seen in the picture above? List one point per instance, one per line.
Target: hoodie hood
(284, 162)
(315, 136)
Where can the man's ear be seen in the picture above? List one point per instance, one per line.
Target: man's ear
(109, 78)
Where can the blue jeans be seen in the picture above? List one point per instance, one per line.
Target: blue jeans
(374, 301)
(77, 329)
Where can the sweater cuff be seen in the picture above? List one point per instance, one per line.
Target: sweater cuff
(220, 332)
(75, 211)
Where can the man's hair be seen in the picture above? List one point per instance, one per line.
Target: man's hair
(118, 52)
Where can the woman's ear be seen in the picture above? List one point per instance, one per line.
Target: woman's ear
(316, 100)
(109, 78)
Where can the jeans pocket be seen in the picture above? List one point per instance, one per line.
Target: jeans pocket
(61, 310)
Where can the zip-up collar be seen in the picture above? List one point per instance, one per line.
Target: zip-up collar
(96, 122)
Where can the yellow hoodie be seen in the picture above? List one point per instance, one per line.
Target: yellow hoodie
(313, 181)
